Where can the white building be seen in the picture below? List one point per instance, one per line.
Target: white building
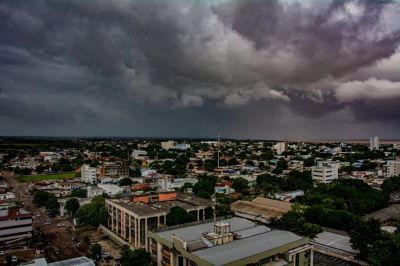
(7, 195)
(393, 168)
(93, 191)
(88, 174)
(374, 143)
(170, 184)
(110, 189)
(167, 145)
(138, 154)
(324, 172)
(280, 147)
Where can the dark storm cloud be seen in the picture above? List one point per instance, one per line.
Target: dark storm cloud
(91, 63)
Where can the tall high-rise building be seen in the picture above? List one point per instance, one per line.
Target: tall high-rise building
(392, 168)
(374, 143)
(88, 174)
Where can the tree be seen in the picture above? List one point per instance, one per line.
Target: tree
(134, 257)
(240, 184)
(94, 213)
(178, 215)
(204, 188)
(125, 182)
(41, 197)
(72, 205)
(365, 236)
(52, 206)
(95, 251)
(79, 193)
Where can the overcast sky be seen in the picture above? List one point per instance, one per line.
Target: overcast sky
(248, 69)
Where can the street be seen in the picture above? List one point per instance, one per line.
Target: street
(61, 245)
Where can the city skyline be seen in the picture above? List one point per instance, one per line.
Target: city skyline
(246, 69)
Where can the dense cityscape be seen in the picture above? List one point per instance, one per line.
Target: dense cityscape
(200, 132)
(199, 202)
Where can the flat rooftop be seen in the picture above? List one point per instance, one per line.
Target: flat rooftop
(250, 239)
(184, 201)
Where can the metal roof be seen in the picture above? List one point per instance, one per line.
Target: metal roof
(243, 248)
(195, 232)
(80, 261)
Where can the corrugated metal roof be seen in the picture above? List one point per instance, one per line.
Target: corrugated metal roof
(80, 261)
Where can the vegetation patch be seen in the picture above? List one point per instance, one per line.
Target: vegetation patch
(35, 178)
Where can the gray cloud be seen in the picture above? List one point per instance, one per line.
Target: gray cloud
(94, 63)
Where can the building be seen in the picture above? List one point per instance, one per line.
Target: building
(168, 145)
(325, 172)
(138, 154)
(260, 209)
(171, 184)
(110, 189)
(392, 168)
(182, 146)
(235, 241)
(88, 174)
(93, 191)
(114, 170)
(280, 147)
(15, 227)
(130, 220)
(374, 143)
(80, 261)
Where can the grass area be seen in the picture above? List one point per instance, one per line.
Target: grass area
(33, 178)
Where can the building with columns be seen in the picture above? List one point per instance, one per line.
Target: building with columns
(131, 219)
(234, 241)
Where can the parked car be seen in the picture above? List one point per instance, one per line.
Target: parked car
(2, 252)
(60, 225)
(14, 259)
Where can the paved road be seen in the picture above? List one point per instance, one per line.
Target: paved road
(60, 237)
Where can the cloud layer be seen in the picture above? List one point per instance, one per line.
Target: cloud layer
(92, 63)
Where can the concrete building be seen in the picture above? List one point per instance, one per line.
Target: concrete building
(131, 220)
(110, 189)
(280, 147)
(93, 191)
(325, 172)
(234, 241)
(170, 184)
(182, 146)
(88, 174)
(168, 145)
(138, 154)
(113, 170)
(374, 143)
(15, 227)
(392, 168)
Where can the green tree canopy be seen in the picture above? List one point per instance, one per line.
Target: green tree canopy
(178, 215)
(93, 213)
(72, 205)
(125, 182)
(134, 257)
(240, 184)
(95, 251)
(204, 188)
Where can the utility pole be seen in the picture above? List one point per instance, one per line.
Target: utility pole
(219, 149)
